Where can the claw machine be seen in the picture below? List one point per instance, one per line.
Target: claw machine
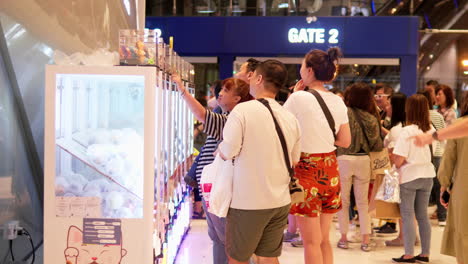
(116, 150)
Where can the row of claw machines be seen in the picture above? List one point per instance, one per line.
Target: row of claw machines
(118, 141)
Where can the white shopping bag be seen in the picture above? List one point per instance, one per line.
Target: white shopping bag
(216, 186)
(389, 189)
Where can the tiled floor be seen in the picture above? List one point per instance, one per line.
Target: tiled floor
(197, 249)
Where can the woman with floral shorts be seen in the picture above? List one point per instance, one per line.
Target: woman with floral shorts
(317, 169)
(318, 174)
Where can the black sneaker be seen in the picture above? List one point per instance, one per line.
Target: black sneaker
(403, 260)
(387, 229)
(418, 258)
(379, 227)
(386, 225)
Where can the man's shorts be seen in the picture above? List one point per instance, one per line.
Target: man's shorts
(319, 175)
(255, 231)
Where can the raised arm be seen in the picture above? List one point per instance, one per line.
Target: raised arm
(457, 130)
(197, 109)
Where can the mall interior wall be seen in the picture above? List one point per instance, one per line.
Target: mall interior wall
(445, 68)
(32, 31)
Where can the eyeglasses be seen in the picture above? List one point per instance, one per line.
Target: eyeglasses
(380, 96)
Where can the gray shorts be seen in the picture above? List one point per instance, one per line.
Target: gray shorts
(255, 231)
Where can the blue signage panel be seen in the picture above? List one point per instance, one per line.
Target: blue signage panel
(292, 36)
(358, 37)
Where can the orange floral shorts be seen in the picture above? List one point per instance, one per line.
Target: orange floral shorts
(318, 174)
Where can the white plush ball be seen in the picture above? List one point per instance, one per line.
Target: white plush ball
(61, 185)
(114, 200)
(100, 136)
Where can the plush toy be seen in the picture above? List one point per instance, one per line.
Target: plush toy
(61, 186)
(124, 213)
(100, 154)
(116, 136)
(140, 51)
(77, 183)
(114, 200)
(115, 167)
(100, 136)
(90, 187)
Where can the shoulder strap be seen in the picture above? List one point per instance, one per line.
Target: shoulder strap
(326, 111)
(281, 137)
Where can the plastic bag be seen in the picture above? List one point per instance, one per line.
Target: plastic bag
(100, 57)
(216, 186)
(389, 190)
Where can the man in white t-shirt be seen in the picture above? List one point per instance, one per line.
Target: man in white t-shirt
(261, 200)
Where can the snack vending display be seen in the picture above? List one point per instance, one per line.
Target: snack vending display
(118, 141)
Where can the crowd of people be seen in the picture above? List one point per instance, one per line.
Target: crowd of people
(328, 138)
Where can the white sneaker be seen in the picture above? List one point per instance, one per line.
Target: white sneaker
(442, 223)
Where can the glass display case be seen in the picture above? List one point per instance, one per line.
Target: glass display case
(99, 143)
(118, 141)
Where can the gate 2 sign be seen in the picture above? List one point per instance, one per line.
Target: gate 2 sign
(313, 35)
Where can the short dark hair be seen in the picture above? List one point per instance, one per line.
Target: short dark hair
(323, 63)
(387, 88)
(274, 74)
(448, 92)
(252, 64)
(417, 112)
(398, 103)
(240, 88)
(432, 82)
(359, 95)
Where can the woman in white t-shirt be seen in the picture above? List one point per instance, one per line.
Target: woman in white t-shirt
(317, 170)
(416, 173)
(397, 122)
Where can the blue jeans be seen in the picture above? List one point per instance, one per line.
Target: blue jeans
(217, 233)
(414, 201)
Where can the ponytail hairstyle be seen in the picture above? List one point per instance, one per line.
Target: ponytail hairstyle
(324, 64)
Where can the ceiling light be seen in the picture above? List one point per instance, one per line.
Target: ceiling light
(127, 6)
(465, 63)
(311, 19)
(431, 56)
(205, 11)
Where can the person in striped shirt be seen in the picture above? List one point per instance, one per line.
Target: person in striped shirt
(438, 147)
(233, 92)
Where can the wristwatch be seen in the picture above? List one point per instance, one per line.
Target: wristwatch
(435, 136)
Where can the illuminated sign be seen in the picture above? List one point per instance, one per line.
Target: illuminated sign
(158, 32)
(313, 35)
